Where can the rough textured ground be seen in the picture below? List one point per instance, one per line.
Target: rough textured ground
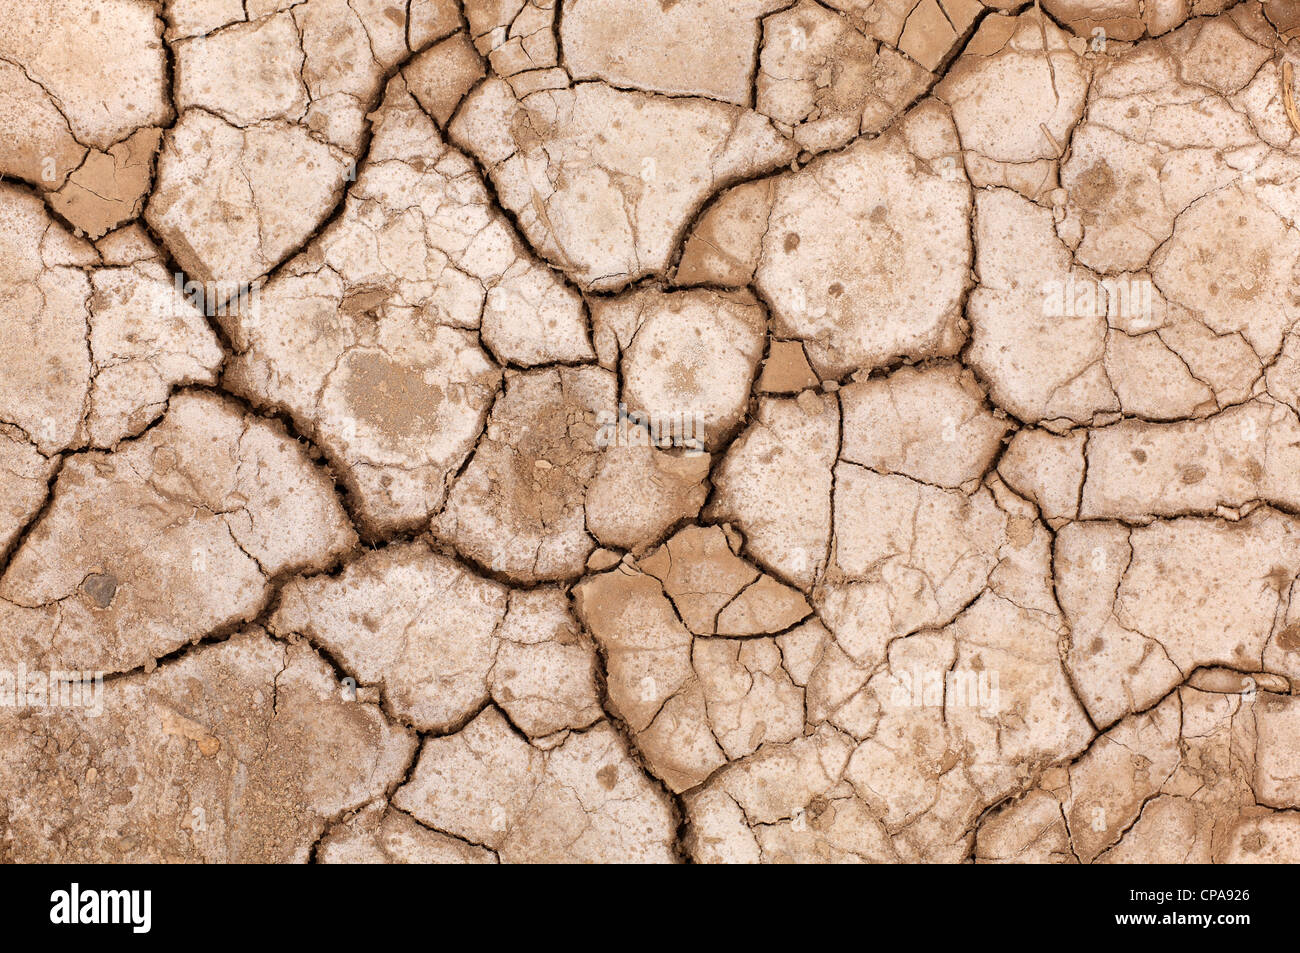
(484, 431)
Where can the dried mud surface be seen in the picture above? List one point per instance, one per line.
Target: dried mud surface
(714, 431)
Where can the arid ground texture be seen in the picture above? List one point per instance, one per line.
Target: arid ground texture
(604, 431)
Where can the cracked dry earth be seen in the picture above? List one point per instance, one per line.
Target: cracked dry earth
(649, 430)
